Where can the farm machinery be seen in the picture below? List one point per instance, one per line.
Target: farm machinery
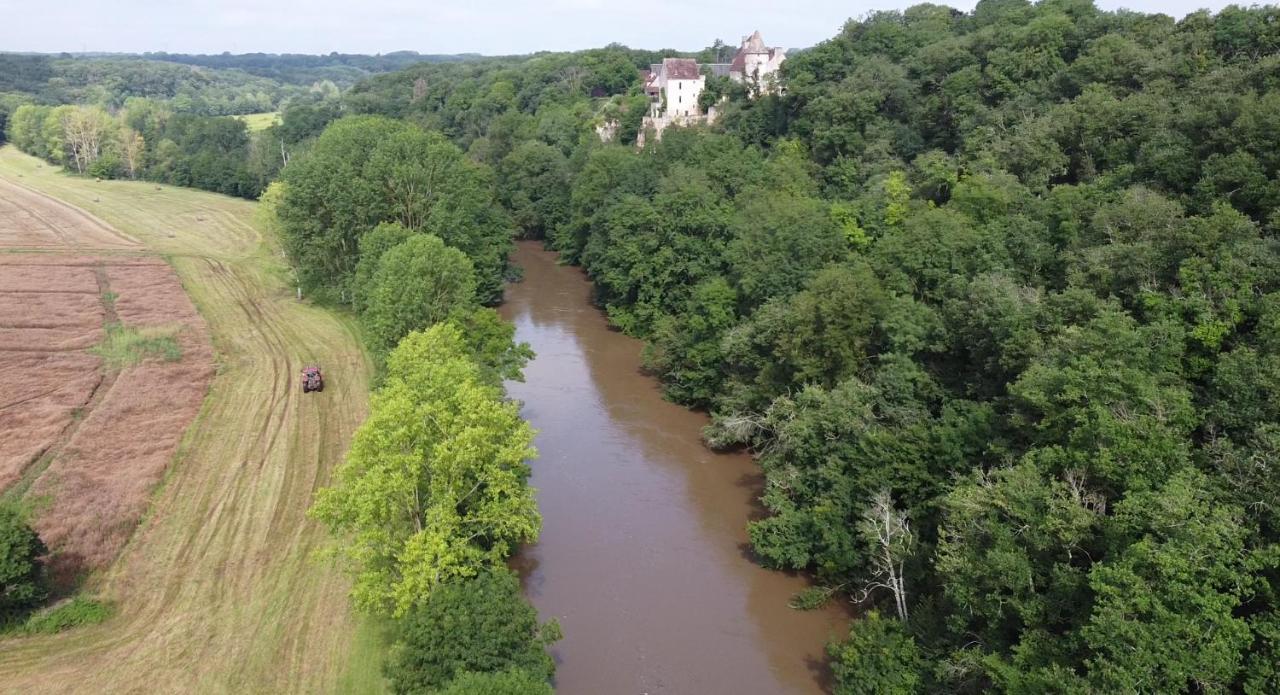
(312, 379)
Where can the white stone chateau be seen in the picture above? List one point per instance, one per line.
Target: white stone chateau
(675, 84)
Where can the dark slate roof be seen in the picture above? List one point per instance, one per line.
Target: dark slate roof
(720, 69)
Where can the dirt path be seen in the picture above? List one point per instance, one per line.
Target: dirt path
(220, 590)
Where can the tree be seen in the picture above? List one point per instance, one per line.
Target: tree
(1164, 616)
(373, 246)
(434, 486)
(491, 341)
(132, 149)
(888, 530)
(534, 185)
(419, 282)
(879, 658)
(22, 583)
(366, 170)
(779, 241)
(467, 627)
(329, 203)
(85, 130)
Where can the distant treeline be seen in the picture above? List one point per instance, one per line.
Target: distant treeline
(146, 140)
(344, 69)
(207, 85)
(110, 82)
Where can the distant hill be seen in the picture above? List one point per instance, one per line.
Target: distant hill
(296, 68)
(200, 84)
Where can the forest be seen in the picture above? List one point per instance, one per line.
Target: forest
(993, 296)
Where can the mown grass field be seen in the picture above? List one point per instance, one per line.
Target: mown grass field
(222, 589)
(260, 121)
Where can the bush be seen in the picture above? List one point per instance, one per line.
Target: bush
(481, 624)
(108, 166)
(74, 613)
(22, 582)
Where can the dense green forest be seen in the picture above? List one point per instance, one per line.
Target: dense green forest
(994, 297)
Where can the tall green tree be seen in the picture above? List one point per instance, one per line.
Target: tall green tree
(419, 282)
(434, 486)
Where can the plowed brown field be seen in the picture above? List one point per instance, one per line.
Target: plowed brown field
(219, 588)
(108, 439)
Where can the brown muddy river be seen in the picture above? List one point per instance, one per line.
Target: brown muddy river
(643, 556)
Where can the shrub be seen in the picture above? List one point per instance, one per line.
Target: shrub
(124, 347)
(74, 613)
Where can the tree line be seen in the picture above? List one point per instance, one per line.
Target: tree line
(147, 140)
(395, 223)
(994, 298)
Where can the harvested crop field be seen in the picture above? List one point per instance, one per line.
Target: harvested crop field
(220, 588)
(31, 220)
(92, 440)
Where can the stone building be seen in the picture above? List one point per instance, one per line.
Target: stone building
(674, 85)
(756, 63)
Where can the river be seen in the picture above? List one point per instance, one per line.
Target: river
(643, 556)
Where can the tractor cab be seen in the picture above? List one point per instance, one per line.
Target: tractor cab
(312, 379)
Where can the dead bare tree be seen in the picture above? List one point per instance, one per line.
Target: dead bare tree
(84, 129)
(132, 148)
(889, 531)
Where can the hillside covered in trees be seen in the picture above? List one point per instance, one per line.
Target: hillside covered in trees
(995, 298)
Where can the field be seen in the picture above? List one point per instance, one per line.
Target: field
(221, 588)
(260, 121)
(80, 424)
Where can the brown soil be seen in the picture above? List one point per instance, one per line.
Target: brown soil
(86, 446)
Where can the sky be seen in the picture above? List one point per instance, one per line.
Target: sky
(492, 27)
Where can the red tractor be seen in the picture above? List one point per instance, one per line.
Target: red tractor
(312, 379)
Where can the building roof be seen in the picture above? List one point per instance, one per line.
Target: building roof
(754, 44)
(720, 69)
(681, 68)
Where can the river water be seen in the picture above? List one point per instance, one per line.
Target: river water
(643, 556)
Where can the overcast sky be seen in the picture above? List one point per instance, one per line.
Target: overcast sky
(437, 26)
